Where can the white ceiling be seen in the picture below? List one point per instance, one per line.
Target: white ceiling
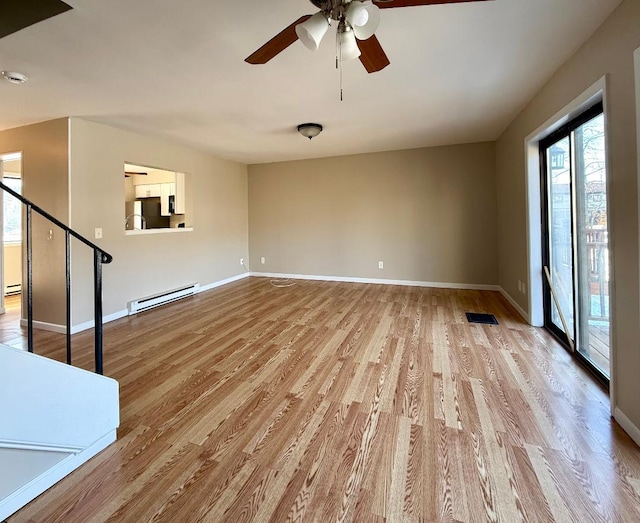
(459, 73)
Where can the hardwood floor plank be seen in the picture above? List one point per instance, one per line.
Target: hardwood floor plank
(378, 476)
(145, 496)
(363, 450)
(277, 482)
(297, 501)
(412, 404)
(446, 488)
(499, 467)
(202, 490)
(549, 484)
(396, 505)
(229, 493)
(324, 355)
(391, 390)
(329, 401)
(414, 500)
(538, 413)
(346, 423)
(533, 501)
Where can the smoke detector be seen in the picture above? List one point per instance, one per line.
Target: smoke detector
(14, 77)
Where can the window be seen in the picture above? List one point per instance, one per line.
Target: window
(12, 211)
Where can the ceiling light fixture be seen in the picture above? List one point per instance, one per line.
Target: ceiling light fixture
(364, 17)
(348, 47)
(311, 32)
(309, 130)
(14, 77)
(356, 19)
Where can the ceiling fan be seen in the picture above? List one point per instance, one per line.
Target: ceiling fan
(357, 21)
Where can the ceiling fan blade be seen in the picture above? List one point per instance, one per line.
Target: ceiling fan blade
(18, 14)
(373, 56)
(386, 4)
(277, 44)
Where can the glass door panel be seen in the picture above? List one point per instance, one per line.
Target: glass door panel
(592, 242)
(561, 234)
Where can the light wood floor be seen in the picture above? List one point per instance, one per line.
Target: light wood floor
(345, 402)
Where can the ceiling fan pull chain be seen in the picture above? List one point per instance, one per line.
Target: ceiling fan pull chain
(339, 59)
(337, 49)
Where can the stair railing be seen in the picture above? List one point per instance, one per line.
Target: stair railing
(100, 256)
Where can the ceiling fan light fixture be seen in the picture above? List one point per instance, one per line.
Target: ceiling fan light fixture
(309, 130)
(364, 18)
(348, 46)
(311, 31)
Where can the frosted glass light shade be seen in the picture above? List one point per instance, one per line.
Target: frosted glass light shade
(364, 18)
(348, 46)
(309, 130)
(311, 31)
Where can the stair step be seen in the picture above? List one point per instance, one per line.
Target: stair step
(22, 466)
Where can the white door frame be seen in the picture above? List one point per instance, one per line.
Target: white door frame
(2, 309)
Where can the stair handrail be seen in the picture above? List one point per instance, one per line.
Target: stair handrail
(100, 257)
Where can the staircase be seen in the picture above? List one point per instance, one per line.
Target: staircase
(53, 417)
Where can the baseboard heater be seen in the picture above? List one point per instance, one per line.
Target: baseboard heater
(156, 300)
(15, 288)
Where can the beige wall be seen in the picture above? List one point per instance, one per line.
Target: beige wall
(147, 264)
(609, 51)
(428, 214)
(45, 159)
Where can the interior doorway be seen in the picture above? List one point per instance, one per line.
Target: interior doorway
(576, 238)
(12, 247)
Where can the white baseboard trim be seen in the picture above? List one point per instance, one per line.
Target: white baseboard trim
(43, 325)
(33, 489)
(89, 324)
(406, 283)
(220, 283)
(627, 425)
(61, 329)
(515, 305)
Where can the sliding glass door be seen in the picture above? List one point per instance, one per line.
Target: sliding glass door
(576, 253)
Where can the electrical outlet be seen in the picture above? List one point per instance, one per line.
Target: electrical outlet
(519, 286)
(380, 265)
(262, 260)
(524, 288)
(98, 233)
(50, 234)
(241, 261)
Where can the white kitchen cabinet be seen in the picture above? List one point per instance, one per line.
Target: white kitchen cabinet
(165, 192)
(149, 190)
(179, 207)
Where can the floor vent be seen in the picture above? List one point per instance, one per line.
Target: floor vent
(156, 300)
(487, 319)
